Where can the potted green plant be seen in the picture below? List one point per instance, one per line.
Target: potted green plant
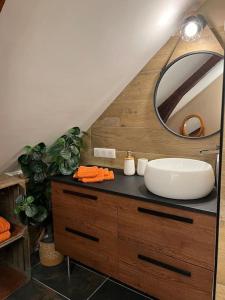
(38, 163)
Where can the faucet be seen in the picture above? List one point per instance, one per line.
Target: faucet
(217, 152)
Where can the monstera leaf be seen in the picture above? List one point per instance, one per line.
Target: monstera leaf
(74, 149)
(28, 149)
(38, 166)
(53, 169)
(74, 162)
(65, 168)
(74, 131)
(65, 153)
(37, 152)
(41, 214)
(56, 148)
(29, 200)
(31, 210)
(28, 211)
(40, 148)
(24, 159)
(39, 177)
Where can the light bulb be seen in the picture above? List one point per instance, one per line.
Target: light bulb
(191, 29)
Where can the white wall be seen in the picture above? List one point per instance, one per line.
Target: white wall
(63, 61)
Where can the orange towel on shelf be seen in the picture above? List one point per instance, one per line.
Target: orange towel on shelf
(93, 174)
(4, 225)
(4, 236)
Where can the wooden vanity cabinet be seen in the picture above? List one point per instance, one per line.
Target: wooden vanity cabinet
(186, 235)
(85, 226)
(165, 252)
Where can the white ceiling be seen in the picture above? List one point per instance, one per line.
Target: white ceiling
(205, 81)
(63, 62)
(180, 72)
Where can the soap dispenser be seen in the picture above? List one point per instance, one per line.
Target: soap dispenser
(129, 165)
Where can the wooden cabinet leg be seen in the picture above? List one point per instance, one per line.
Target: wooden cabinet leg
(68, 267)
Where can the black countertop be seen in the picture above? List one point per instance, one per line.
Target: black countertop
(133, 187)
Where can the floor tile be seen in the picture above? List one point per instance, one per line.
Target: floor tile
(86, 267)
(34, 259)
(34, 291)
(111, 290)
(81, 285)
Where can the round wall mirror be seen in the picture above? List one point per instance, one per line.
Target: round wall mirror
(188, 95)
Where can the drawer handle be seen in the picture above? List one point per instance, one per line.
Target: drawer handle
(165, 215)
(82, 195)
(164, 265)
(82, 234)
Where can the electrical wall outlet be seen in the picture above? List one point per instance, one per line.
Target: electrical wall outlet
(105, 152)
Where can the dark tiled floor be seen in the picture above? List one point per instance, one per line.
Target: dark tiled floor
(81, 285)
(35, 291)
(52, 283)
(111, 290)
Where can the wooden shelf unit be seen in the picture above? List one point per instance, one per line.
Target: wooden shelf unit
(10, 279)
(17, 232)
(14, 253)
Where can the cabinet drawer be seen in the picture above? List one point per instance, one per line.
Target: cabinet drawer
(184, 235)
(88, 207)
(93, 247)
(162, 276)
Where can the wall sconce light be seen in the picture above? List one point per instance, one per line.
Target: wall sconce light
(192, 28)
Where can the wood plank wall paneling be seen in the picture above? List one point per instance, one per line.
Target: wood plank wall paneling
(220, 292)
(130, 122)
(208, 41)
(131, 116)
(220, 287)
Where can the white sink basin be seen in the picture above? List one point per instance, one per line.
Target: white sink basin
(179, 178)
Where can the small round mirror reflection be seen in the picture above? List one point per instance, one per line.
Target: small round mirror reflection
(188, 95)
(193, 126)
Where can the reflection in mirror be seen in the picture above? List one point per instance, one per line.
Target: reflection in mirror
(192, 126)
(188, 95)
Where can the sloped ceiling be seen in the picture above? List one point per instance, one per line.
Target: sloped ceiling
(63, 62)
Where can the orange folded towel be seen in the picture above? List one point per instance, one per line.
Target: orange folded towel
(98, 178)
(4, 236)
(93, 174)
(109, 176)
(93, 179)
(4, 225)
(86, 172)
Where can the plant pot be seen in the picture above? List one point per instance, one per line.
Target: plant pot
(35, 234)
(49, 257)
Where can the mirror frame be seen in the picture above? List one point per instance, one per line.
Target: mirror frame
(188, 117)
(163, 71)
